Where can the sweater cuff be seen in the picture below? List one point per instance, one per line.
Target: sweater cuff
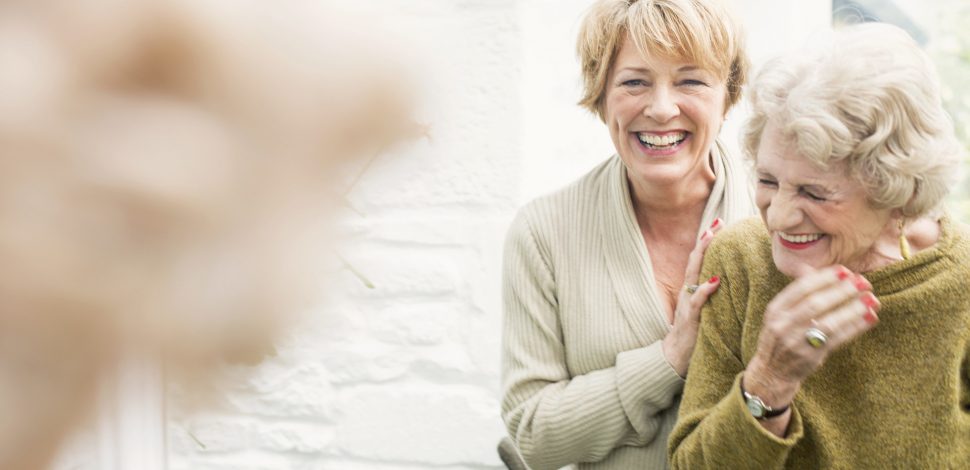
(646, 385)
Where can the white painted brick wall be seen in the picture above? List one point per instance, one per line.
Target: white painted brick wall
(406, 375)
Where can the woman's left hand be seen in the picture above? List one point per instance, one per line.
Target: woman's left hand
(811, 317)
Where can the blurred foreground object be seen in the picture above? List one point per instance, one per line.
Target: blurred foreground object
(166, 168)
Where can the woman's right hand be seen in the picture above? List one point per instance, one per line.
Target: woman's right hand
(833, 300)
(678, 345)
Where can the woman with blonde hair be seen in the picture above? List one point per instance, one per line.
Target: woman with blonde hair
(840, 336)
(601, 286)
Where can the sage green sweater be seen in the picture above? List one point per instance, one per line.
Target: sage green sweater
(896, 397)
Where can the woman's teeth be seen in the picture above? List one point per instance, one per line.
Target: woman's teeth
(666, 140)
(799, 238)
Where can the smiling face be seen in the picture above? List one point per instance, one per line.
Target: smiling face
(663, 115)
(817, 217)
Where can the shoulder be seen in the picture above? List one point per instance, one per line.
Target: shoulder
(960, 248)
(746, 240)
(741, 255)
(953, 248)
(576, 203)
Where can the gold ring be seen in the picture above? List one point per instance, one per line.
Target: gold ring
(816, 338)
(691, 288)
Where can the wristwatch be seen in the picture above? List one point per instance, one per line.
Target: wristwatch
(758, 408)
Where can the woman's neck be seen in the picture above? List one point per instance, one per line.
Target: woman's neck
(920, 234)
(672, 211)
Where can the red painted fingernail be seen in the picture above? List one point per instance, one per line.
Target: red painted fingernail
(843, 273)
(707, 234)
(870, 317)
(869, 300)
(861, 283)
(714, 279)
(717, 221)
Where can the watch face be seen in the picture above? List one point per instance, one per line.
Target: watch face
(756, 408)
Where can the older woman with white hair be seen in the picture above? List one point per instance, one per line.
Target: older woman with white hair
(840, 337)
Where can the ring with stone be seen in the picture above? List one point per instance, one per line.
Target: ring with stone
(691, 288)
(816, 338)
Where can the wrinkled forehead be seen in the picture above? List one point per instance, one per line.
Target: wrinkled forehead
(783, 148)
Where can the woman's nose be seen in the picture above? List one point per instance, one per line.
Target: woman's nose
(661, 105)
(783, 213)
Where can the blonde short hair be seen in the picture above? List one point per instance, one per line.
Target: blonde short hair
(869, 97)
(702, 31)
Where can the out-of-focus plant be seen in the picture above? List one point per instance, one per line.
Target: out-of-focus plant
(167, 170)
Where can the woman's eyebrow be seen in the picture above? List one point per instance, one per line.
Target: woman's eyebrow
(816, 187)
(636, 69)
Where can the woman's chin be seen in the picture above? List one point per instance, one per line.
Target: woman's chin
(792, 267)
(799, 260)
(797, 271)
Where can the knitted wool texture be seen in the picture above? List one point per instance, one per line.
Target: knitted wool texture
(584, 376)
(896, 397)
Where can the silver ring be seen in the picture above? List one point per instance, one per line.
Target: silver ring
(691, 288)
(816, 338)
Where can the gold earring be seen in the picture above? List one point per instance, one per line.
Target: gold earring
(903, 243)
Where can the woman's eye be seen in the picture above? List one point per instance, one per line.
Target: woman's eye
(766, 182)
(693, 83)
(636, 82)
(813, 196)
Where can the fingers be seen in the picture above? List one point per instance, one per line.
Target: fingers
(810, 283)
(815, 295)
(696, 258)
(697, 300)
(833, 300)
(717, 225)
(850, 321)
(679, 343)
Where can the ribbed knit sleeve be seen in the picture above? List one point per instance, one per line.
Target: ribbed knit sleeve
(555, 418)
(714, 422)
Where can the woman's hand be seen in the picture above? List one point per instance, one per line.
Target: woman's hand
(678, 345)
(833, 300)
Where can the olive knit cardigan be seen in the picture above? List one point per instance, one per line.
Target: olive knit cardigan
(896, 397)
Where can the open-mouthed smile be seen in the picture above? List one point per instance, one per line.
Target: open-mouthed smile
(662, 141)
(799, 241)
(662, 144)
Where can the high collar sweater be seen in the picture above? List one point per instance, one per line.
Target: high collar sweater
(896, 397)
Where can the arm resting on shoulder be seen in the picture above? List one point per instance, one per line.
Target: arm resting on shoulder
(714, 428)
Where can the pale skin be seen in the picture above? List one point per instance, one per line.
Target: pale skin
(842, 235)
(678, 345)
(660, 96)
